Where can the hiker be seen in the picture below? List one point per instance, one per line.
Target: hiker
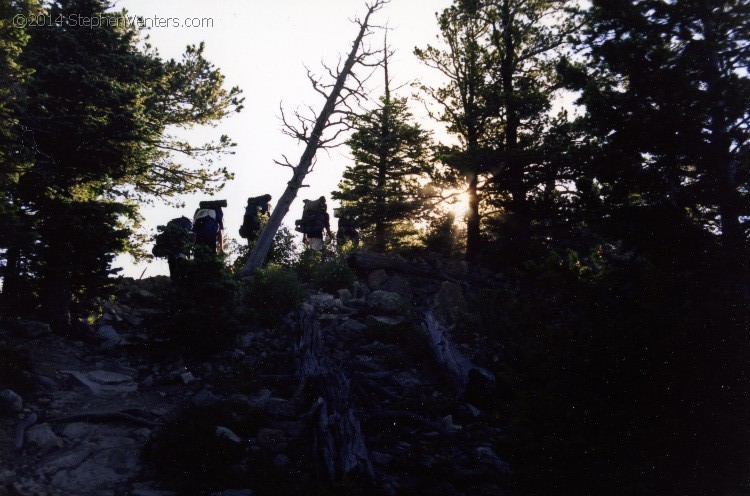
(208, 225)
(172, 243)
(258, 208)
(314, 220)
(347, 232)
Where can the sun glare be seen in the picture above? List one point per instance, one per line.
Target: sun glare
(458, 205)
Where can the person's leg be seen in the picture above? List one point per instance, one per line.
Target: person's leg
(316, 243)
(171, 262)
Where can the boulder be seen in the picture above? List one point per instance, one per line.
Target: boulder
(361, 290)
(384, 320)
(227, 433)
(205, 398)
(351, 325)
(104, 383)
(77, 430)
(387, 302)
(400, 285)
(10, 401)
(43, 438)
(376, 279)
(31, 328)
(449, 302)
(322, 300)
(273, 439)
(108, 332)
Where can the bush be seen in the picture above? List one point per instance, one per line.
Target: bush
(333, 274)
(274, 292)
(284, 250)
(203, 309)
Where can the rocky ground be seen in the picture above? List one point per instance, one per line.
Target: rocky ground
(121, 412)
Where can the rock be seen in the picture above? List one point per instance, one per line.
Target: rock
(386, 301)
(141, 489)
(69, 459)
(32, 328)
(106, 377)
(344, 294)
(77, 431)
(448, 423)
(227, 433)
(450, 302)
(321, 300)
(148, 381)
(234, 492)
(42, 437)
(104, 383)
(273, 439)
(280, 461)
(244, 340)
(407, 379)
(108, 332)
(351, 325)
(376, 279)
(133, 320)
(475, 412)
(486, 456)
(260, 399)
(383, 321)
(280, 407)
(457, 267)
(381, 458)
(400, 285)
(7, 477)
(361, 290)
(292, 428)
(10, 401)
(205, 398)
(187, 377)
(142, 433)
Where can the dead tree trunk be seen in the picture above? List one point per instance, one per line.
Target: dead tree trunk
(338, 442)
(313, 139)
(458, 369)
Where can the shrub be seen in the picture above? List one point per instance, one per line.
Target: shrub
(284, 250)
(203, 308)
(274, 292)
(333, 274)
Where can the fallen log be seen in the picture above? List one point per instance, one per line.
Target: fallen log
(363, 262)
(338, 441)
(458, 369)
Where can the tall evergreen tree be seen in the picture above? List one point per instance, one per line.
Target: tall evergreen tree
(464, 104)
(667, 93)
(381, 191)
(500, 69)
(96, 120)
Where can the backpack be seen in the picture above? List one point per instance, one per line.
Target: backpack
(313, 218)
(172, 238)
(206, 226)
(256, 208)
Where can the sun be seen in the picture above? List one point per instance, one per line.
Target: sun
(458, 204)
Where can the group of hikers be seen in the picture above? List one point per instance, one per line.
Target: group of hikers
(206, 230)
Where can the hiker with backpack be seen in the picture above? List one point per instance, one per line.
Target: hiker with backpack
(314, 220)
(173, 243)
(208, 225)
(347, 231)
(257, 209)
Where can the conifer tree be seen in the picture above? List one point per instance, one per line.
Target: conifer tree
(380, 192)
(500, 69)
(95, 121)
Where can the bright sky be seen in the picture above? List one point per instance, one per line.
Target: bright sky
(263, 47)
